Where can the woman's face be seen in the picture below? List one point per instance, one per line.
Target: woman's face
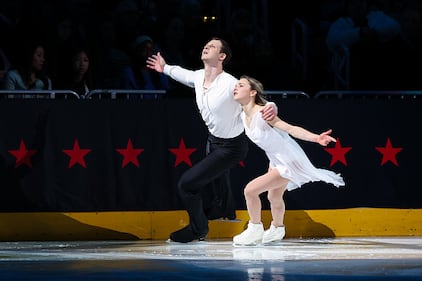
(80, 63)
(243, 92)
(38, 59)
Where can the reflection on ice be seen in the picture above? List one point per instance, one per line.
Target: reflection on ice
(289, 249)
(293, 259)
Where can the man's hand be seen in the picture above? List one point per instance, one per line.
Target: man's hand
(269, 111)
(156, 62)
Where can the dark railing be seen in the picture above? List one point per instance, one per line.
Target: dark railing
(125, 94)
(38, 94)
(159, 94)
(369, 94)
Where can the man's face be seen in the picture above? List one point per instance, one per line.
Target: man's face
(211, 50)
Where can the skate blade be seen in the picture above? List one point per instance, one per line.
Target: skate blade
(197, 241)
(254, 245)
(274, 243)
(226, 220)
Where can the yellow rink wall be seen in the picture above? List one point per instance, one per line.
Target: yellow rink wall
(157, 225)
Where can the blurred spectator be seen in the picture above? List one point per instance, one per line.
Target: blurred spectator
(109, 57)
(127, 21)
(174, 47)
(411, 22)
(191, 12)
(10, 19)
(30, 71)
(373, 39)
(62, 43)
(252, 47)
(4, 65)
(360, 25)
(411, 56)
(137, 76)
(77, 76)
(172, 43)
(319, 53)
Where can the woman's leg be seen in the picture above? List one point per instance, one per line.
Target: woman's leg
(278, 208)
(271, 182)
(255, 231)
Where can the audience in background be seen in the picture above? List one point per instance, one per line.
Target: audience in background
(362, 26)
(30, 71)
(373, 39)
(108, 58)
(62, 42)
(259, 33)
(250, 44)
(11, 15)
(411, 55)
(136, 75)
(4, 65)
(174, 45)
(77, 76)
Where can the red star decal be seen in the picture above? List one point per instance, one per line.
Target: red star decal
(338, 153)
(76, 155)
(130, 154)
(389, 153)
(22, 155)
(182, 153)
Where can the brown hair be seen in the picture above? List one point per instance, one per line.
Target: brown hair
(225, 49)
(258, 87)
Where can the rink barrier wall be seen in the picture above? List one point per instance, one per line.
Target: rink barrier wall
(389, 191)
(157, 225)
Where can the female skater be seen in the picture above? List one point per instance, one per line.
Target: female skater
(289, 167)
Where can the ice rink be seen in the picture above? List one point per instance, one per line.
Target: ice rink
(360, 258)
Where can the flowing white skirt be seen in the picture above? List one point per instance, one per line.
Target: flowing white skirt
(286, 155)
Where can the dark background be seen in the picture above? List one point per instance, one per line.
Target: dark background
(260, 33)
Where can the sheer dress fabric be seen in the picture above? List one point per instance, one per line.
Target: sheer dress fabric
(286, 155)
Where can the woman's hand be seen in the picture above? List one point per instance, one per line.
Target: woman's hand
(324, 138)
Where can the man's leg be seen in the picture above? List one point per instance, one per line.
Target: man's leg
(223, 157)
(218, 199)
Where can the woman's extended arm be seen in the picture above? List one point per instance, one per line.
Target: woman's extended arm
(300, 133)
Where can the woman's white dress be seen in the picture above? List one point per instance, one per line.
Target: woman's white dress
(285, 154)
